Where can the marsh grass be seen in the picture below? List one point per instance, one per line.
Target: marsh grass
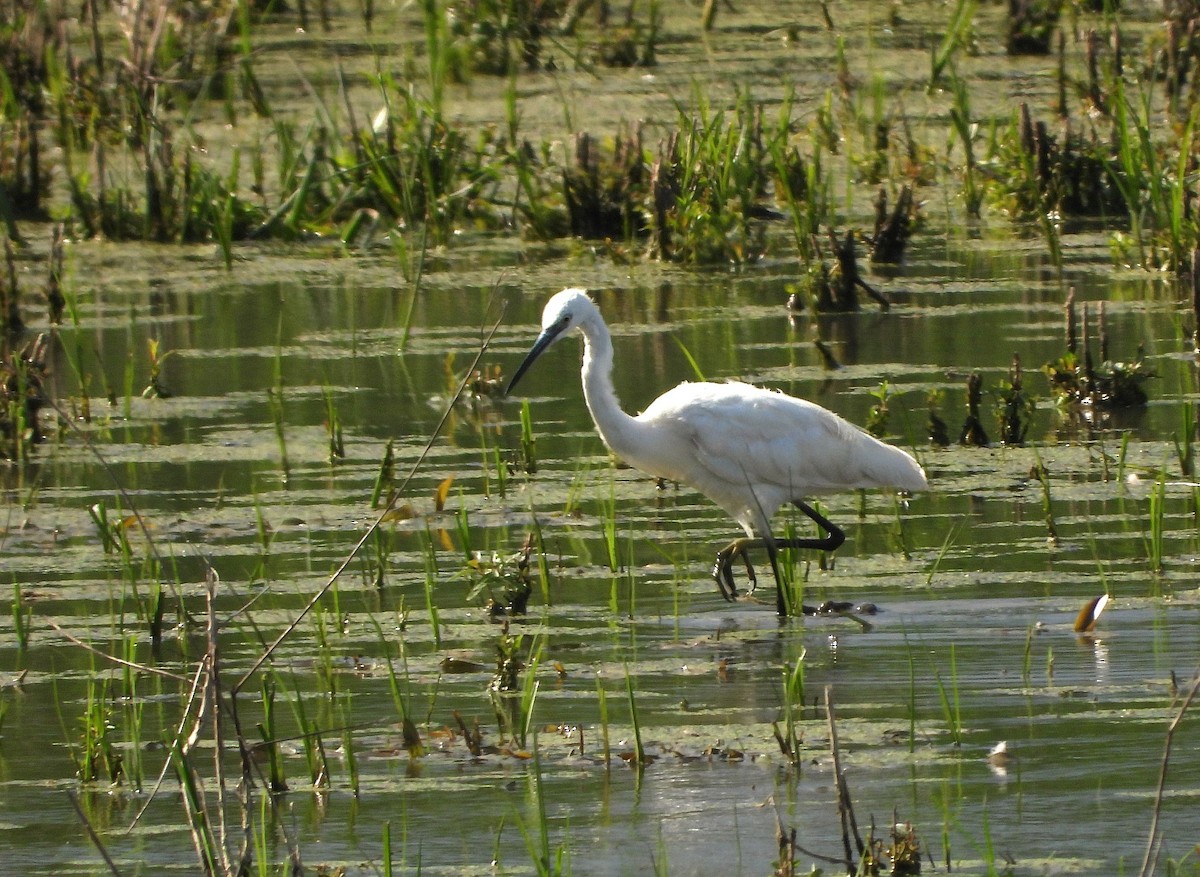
(1016, 406)
(276, 776)
(98, 759)
(1156, 521)
(956, 36)
(22, 615)
(948, 542)
(1027, 656)
(349, 747)
(430, 586)
(1038, 472)
(212, 714)
(333, 426)
(513, 696)
(278, 422)
(708, 183)
(608, 523)
(385, 477)
(528, 440)
(791, 739)
(639, 750)
(547, 862)
(602, 712)
(949, 699)
(113, 538)
(1185, 440)
(793, 567)
(311, 738)
(417, 174)
(972, 192)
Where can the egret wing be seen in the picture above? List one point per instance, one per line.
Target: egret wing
(741, 435)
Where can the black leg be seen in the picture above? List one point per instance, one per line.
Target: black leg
(723, 568)
(722, 571)
(833, 539)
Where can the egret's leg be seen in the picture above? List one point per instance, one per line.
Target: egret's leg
(833, 539)
(722, 572)
(723, 568)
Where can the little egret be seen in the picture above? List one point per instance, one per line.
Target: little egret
(747, 449)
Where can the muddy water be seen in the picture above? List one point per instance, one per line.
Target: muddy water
(972, 644)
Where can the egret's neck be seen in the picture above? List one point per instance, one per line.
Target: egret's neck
(617, 428)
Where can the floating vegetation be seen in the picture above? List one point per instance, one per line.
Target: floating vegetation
(877, 416)
(1015, 406)
(900, 854)
(505, 579)
(1076, 380)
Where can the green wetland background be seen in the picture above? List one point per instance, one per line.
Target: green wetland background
(293, 588)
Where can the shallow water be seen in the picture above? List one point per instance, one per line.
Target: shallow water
(976, 602)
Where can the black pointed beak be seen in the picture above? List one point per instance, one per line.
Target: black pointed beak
(548, 337)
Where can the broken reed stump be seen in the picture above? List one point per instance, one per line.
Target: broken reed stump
(837, 287)
(55, 301)
(973, 433)
(935, 427)
(1015, 406)
(845, 806)
(892, 229)
(1031, 25)
(11, 323)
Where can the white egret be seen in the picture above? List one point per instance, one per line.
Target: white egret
(748, 449)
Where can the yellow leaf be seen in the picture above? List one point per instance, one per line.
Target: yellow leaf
(439, 495)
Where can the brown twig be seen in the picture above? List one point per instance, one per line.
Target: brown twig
(845, 807)
(141, 668)
(91, 833)
(1152, 839)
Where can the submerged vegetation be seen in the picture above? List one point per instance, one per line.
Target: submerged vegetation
(500, 573)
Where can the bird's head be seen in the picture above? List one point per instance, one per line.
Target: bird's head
(564, 313)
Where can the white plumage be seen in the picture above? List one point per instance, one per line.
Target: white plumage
(747, 449)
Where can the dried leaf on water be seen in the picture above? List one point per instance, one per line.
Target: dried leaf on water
(1086, 620)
